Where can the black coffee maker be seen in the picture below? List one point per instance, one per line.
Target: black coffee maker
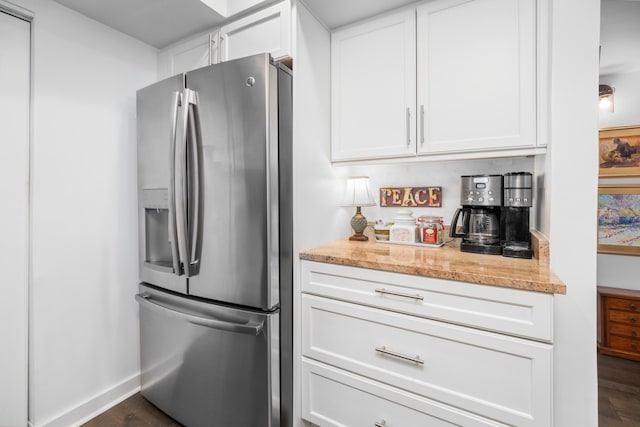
(514, 221)
(481, 199)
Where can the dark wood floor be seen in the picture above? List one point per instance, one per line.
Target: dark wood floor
(618, 392)
(618, 401)
(135, 411)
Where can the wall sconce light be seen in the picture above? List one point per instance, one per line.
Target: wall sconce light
(358, 195)
(605, 92)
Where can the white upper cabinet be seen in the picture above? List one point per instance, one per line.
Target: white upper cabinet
(476, 75)
(194, 53)
(448, 79)
(373, 74)
(268, 30)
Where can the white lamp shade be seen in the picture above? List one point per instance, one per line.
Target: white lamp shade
(358, 193)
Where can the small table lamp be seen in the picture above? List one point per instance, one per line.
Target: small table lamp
(358, 195)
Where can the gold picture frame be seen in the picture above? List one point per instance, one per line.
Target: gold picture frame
(619, 219)
(619, 151)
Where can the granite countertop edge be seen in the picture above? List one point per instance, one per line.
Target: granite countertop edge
(443, 263)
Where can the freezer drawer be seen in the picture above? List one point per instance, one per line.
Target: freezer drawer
(209, 365)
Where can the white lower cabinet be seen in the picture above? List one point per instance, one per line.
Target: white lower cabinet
(333, 397)
(362, 364)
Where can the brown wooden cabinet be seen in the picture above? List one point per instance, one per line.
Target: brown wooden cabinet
(619, 322)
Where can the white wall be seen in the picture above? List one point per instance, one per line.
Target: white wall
(83, 321)
(445, 174)
(626, 99)
(621, 271)
(571, 186)
(315, 186)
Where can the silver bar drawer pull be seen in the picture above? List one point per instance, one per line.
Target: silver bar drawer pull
(382, 423)
(384, 350)
(400, 294)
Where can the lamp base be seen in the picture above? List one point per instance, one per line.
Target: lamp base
(359, 238)
(358, 223)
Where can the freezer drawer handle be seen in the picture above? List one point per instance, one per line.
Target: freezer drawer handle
(384, 350)
(246, 328)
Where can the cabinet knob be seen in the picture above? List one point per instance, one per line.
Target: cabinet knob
(632, 306)
(634, 332)
(633, 319)
(634, 345)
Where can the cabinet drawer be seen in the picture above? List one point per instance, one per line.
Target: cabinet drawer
(625, 344)
(624, 330)
(623, 304)
(623, 317)
(510, 311)
(503, 378)
(332, 397)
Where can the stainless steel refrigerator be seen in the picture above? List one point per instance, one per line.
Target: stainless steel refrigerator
(215, 244)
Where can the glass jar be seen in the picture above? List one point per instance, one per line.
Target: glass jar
(404, 227)
(381, 229)
(431, 229)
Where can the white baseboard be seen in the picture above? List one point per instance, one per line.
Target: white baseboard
(95, 406)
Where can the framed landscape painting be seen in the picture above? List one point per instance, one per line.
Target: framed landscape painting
(619, 151)
(619, 219)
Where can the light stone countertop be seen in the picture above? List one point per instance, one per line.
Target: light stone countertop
(446, 262)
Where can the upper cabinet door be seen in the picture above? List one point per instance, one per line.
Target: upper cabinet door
(373, 74)
(191, 54)
(476, 75)
(268, 30)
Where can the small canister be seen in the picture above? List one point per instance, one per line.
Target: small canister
(431, 229)
(404, 227)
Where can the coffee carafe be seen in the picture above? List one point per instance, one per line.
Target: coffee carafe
(514, 219)
(481, 199)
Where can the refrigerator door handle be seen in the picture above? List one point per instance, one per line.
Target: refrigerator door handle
(195, 144)
(242, 328)
(175, 255)
(180, 182)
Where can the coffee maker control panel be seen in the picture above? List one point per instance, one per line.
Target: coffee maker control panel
(481, 190)
(518, 197)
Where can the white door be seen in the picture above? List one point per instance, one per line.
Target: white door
(476, 75)
(373, 89)
(14, 217)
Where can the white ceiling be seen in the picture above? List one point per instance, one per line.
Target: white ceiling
(619, 36)
(161, 22)
(155, 22)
